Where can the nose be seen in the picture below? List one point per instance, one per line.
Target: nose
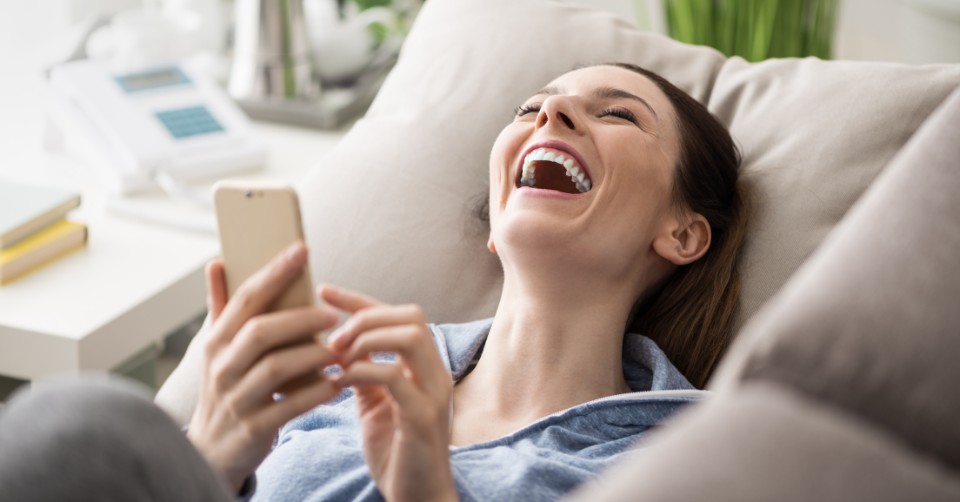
(556, 111)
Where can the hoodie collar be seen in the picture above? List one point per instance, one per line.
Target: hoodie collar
(645, 366)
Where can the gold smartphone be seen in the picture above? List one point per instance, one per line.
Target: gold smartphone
(256, 221)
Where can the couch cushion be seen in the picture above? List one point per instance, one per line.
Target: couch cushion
(814, 134)
(870, 323)
(388, 211)
(767, 443)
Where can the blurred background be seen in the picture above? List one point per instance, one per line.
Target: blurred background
(279, 83)
(342, 43)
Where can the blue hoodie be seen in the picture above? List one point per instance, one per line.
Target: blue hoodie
(319, 456)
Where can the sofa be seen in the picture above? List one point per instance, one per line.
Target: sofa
(839, 384)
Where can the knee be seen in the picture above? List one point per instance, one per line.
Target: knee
(76, 414)
(84, 433)
(75, 400)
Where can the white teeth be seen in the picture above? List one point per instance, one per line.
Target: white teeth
(573, 170)
(527, 176)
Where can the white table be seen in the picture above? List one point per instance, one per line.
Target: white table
(135, 281)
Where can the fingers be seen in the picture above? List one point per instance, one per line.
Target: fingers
(416, 350)
(346, 300)
(260, 290)
(399, 329)
(418, 381)
(391, 376)
(294, 404)
(282, 366)
(216, 288)
(267, 332)
(372, 318)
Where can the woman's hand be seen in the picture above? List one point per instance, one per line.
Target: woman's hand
(404, 407)
(249, 355)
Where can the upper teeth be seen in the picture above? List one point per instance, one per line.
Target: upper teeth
(576, 174)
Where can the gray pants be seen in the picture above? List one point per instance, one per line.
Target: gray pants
(98, 439)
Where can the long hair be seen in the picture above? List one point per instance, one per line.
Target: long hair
(691, 315)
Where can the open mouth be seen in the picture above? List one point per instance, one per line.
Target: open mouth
(550, 169)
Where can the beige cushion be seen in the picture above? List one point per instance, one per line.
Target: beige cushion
(814, 134)
(870, 324)
(388, 212)
(767, 444)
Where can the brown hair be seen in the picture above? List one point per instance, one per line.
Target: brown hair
(691, 315)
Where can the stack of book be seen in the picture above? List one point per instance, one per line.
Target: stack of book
(34, 229)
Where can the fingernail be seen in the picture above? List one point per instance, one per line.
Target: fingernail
(296, 253)
(333, 337)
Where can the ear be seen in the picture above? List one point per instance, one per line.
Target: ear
(491, 246)
(684, 242)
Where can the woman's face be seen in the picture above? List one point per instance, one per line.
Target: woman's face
(586, 167)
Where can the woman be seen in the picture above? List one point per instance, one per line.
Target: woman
(613, 202)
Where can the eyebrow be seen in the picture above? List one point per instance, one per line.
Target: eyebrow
(603, 93)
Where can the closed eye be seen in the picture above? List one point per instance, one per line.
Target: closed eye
(525, 109)
(622, 113)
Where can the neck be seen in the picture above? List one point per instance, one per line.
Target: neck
(553, 344)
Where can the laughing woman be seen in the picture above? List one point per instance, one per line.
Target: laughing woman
(615, 210)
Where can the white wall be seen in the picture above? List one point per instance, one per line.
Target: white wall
(909, 31)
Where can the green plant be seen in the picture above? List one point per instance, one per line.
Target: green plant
(380, 31)
(755, 29)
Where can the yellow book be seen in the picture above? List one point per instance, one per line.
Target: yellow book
(40, 248)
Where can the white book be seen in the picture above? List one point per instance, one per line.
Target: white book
(27, 209)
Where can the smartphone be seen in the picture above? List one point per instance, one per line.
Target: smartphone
(256, 221)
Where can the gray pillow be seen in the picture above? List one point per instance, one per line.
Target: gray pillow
(766, 444)
(870, 323)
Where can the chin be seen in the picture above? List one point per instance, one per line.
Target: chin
(535, 227)
(532, 238)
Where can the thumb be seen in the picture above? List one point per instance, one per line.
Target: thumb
(216, 288)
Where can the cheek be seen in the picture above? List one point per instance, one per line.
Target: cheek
(639, 184)
(505, 149)
(639, 163)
